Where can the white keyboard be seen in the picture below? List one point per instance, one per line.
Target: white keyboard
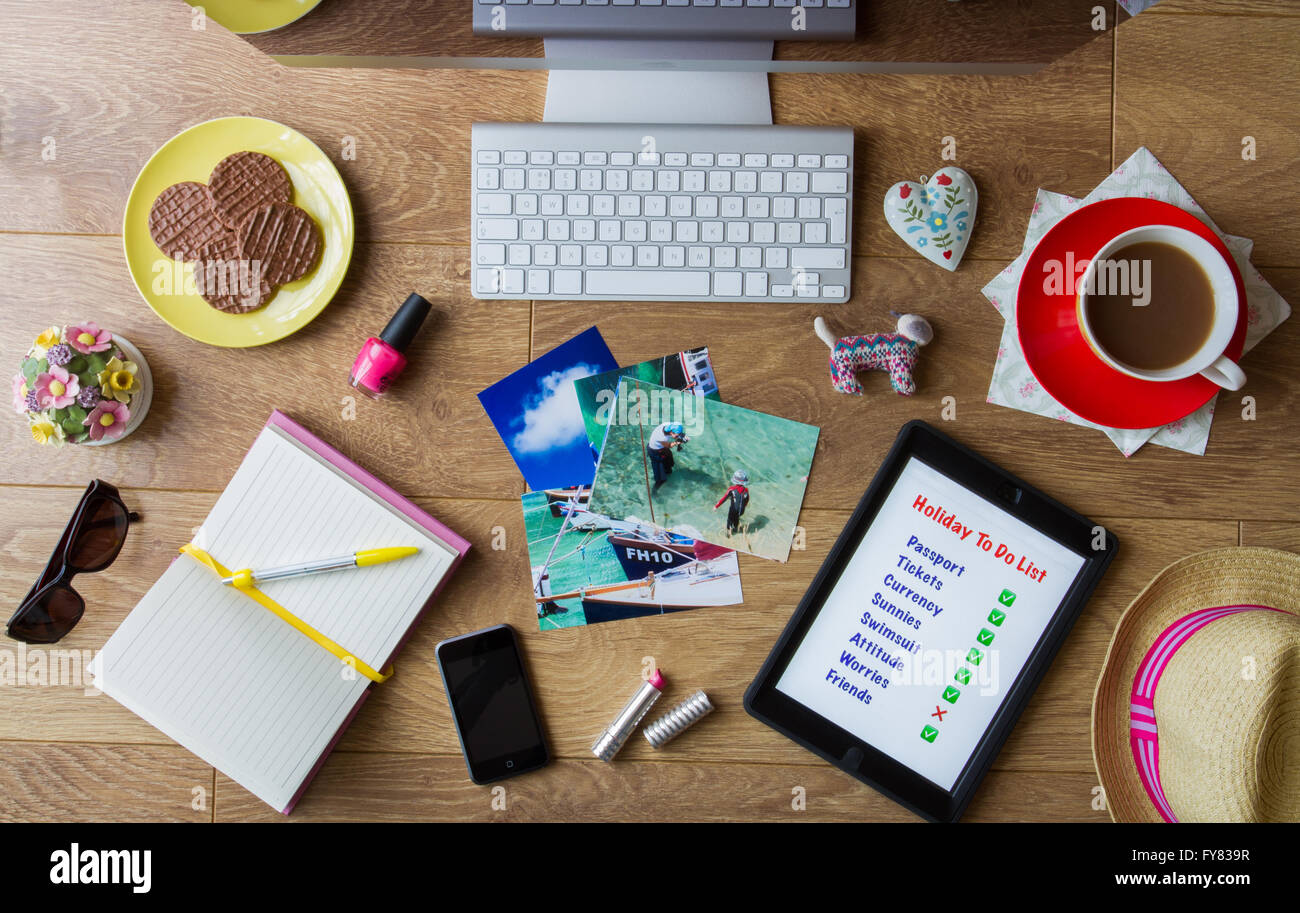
(661, 213)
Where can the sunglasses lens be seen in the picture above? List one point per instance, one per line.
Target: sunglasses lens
(99, 535)
(53, 614)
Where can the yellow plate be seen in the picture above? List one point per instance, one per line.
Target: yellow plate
(247, 17)
(168, 285)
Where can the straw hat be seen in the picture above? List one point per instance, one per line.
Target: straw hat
(1196, 716)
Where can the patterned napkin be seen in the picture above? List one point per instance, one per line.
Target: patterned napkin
(1013, 383)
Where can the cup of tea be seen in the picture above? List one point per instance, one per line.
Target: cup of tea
(1160, 303)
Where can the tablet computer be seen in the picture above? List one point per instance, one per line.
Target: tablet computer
(936, 614)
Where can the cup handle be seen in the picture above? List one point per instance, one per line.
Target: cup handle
(1225, 373)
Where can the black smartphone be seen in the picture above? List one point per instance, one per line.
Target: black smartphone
(492, 704)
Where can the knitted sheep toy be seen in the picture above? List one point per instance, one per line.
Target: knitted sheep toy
(894, 353)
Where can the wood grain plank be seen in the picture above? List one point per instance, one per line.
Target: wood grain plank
(42, 781)
(581, 675)
(141, 74)
(888, 30)
(365, 787)
(1257, 8)
(1196, 123)
(1285, 536)
(428, 437)
(410, 178)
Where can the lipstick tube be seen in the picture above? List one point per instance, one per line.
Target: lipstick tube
(623, 725)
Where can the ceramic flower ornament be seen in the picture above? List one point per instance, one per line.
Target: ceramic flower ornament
(118, 380)
(56, 388)
(46, 339)
(88, 337)
(107, 420)
(83, 385)
(935, 216)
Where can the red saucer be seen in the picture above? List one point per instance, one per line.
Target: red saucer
(1054, 347)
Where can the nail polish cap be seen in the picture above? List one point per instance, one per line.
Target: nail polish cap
(406, 322)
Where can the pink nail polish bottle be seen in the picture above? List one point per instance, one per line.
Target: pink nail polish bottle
(382, 358)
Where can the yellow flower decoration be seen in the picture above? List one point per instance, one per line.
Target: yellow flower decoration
(47, 339)
(46, 432)
(118, 380)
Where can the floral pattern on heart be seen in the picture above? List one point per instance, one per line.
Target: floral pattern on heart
(935, 218)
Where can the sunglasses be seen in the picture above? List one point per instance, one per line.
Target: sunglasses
(90, 543)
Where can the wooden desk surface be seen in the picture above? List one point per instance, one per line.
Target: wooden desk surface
(1187, 79)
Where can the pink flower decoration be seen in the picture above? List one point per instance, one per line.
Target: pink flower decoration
(88, 337)
(56, 388)
(20, 394)
(107, 420)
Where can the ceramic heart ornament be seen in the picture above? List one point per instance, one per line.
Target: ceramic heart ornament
(935, 218)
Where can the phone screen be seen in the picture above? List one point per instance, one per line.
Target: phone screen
(492, 704)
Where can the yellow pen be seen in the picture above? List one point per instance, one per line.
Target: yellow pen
(364, 558)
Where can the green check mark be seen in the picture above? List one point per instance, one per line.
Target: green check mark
(929, 733)
(996, 617)
(985, 636)
(963, 675)
(1007, 598)
(974, 657)
(950, 694)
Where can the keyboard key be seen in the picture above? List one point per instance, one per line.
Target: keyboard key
(783, 291)
(488, 179)
(521, 254)
(833, 291)
(830, 182)
(513, 179)
(623, 158)
(567, 282)
(755, 285)
(675, 159)
(701, 159)
(516, 157)
(621, 255)
(727, 285)
(494, 204)
(489, 157)
(816, 258)
(837, 161)
(796, 182)
(783, 161)
(755, 160)
(539, 282)
(498, 229)
(728, 159)
(490, 254)
(526, 204)
(809, 160)
(657, 282)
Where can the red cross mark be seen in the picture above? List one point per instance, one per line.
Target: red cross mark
(939, 712)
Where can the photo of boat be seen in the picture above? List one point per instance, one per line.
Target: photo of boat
(588, 568)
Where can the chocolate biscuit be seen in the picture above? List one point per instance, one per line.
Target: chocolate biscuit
(244, 182)
(182, 222)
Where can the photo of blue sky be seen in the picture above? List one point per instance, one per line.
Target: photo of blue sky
(535, 410)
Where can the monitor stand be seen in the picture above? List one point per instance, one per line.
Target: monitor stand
(657, 94)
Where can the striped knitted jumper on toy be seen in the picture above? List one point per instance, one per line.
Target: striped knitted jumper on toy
(890, 352)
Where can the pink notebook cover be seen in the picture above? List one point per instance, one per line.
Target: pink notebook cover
(386, 494)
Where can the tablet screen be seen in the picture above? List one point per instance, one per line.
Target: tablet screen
(931, 622)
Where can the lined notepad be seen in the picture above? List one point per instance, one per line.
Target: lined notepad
(231, 681)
